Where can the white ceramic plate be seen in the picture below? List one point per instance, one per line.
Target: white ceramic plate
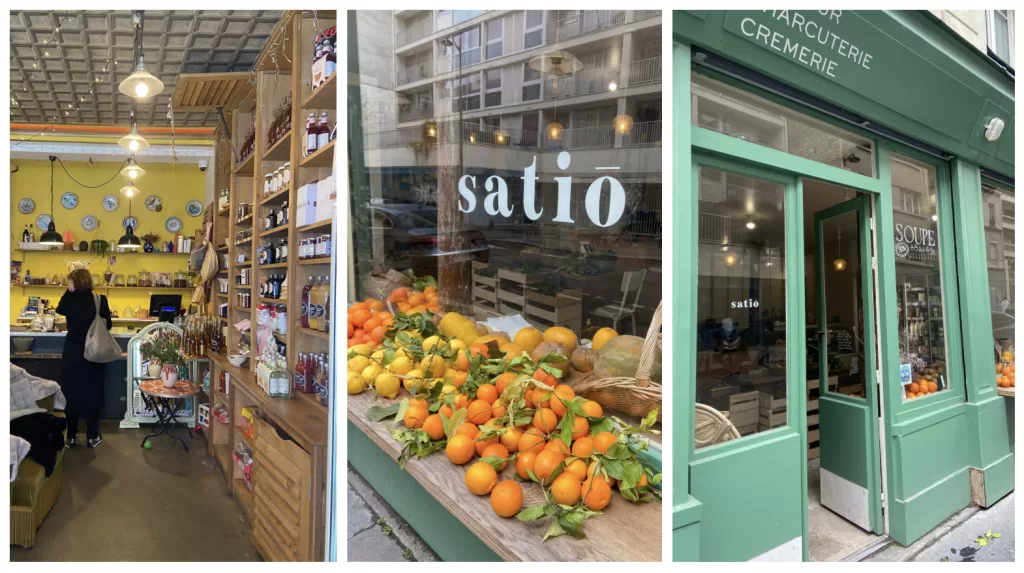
(130, 221)
(26, 206)
(111, 203)
(194, 208)
(89, 223)
(69, 200)
(43, 222)
(153, 203)
(173, 225)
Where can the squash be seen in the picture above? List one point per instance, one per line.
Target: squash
(620, 357)
(454, 325)
(545, 348)
(583, 359)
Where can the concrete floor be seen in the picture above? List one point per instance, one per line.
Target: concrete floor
(830, 537)
(375, 530)
(119, 502)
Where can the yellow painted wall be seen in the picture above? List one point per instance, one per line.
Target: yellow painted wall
(176, 185)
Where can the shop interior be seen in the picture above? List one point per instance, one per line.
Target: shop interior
(176, 156)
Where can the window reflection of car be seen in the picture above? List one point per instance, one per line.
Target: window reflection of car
(410, 230)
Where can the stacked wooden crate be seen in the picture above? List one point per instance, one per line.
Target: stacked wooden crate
(511, 290)
(743, 411)
(563, 309)
(772, 412)
(485, 292)
(813, 394)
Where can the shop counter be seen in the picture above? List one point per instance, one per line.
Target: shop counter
(430, 494)
(44, 360)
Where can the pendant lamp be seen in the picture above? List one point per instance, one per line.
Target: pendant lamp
(51, 236)
(129, 240)
(555, 131)
(133, 141)
(840, 263)
(141, 84)
(130, 190)
(132, 170)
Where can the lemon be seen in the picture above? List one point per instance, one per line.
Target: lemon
(358, 363)
(434, 364)
(360, 349)
(448, 389)
(371, 372)
(378, 355)
(401, 365)
(450, 373)
(457, 345)
(387, 385)
(413, 379)
(432, 342)
(356, 383)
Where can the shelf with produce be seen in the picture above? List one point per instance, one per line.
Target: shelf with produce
(316, 261)
(279, 230)
(325, 96)
(324, 225)
(315, 333)
(281, 150)
(323, 157)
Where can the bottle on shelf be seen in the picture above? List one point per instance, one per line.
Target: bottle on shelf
(25, 236)
(325, 314)
(304, 308)
(323, 134)
(311, 133)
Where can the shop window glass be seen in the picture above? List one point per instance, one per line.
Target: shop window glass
(999, 234)
(736, 113)
(741, 303)
(495, 38)
(492, 84)
(919, 281)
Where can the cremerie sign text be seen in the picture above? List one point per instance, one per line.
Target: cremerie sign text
(498, 202)
(808, 41)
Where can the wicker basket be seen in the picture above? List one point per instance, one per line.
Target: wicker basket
(635, 396)
(712, 427)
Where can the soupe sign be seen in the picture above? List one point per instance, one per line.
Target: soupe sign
(498, 202)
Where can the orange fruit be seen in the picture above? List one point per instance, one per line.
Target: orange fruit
(459, 378)
(511, 350)
(933, 387)
(496, 450)
(545, 420)
(378, 334)
(415, 416)
(578, 468)
(603, 441)
(502, 381)
(479, 411)
(528, 338)
(359, 317)
(532, 441)
(417, 402)
(542, 376)
(540, 398)
(561, 335)
(915, 387)
(400, 294)
(461, 402)
(459, 449)
(487, 393)
(510, 439)
(643, 480)
(546, 463)
(593, 409)
(596, 494)
(351, 330)
(370, 324)
(483, 445)
(565, 392)
(481, 478)
(477, 349)
(580, 427)
(446, 410)
(434, 427)
(462, 362)
(601, 337)
(557, 445)
(507, 498)
(375, 305)
(497, 410)
(468, 429)
(566, 489)
(583, 447)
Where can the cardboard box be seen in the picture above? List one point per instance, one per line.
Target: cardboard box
(324, 204)
(306, 208)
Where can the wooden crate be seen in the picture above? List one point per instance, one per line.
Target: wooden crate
(771, 412)
(813, 394)
(563, 309)
(485, 292)
(511, 290)
(743, 411)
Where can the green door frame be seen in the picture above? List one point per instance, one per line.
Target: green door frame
(866, 408)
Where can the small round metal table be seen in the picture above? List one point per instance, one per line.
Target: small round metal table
(165, 402)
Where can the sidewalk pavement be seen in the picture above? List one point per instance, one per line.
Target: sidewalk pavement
(375, 531)
(972, 535)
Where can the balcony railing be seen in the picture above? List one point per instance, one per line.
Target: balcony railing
(413, 73)
(582, 83)
(586, 22)
(641, 14)
(600, 137)
(645, 71)
(414, 32)
(413, 111)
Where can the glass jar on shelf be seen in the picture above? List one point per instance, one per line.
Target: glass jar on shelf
(133, 280)
(145, 279)
(180, 280)
(118, 280)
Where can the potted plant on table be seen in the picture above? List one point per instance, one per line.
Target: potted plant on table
(165, 354)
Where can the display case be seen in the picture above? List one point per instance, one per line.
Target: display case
(138, 410)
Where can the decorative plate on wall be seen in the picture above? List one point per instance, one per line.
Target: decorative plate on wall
(110, 203)
(69, 200)
(130, 221)
(43, 221)
(173, 225)
(153, 203)
(89, 223)
(26, 206)
(194, 208)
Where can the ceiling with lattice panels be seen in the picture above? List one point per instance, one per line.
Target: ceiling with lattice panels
(70, 74)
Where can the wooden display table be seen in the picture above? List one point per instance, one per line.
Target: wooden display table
(431, 495)
(1008, 392)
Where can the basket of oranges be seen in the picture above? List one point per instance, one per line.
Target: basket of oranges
(1005, 371)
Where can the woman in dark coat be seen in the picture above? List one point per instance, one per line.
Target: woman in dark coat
(81, 380)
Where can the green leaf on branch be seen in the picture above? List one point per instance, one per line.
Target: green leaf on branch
(566, 426)
(452, 425)
(532, 513)
(403, 406)
(613, 468)
(601, 425)
(378, 413)
(554, 530)
(618, 451)
(631, 473)
(495, 462)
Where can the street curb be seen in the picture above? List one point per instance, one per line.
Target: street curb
(402, 531)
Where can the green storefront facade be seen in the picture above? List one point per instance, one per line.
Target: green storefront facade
(915, 99)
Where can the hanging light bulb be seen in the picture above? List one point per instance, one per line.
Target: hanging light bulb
(132, 170)
(472, 137)
(130, 190)
(840, 263)
(555, 131)
(133, 142)
(613, 86)
(500, 136)
(623, 123)
(730, 259)
(141, 83)
(750, 224)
